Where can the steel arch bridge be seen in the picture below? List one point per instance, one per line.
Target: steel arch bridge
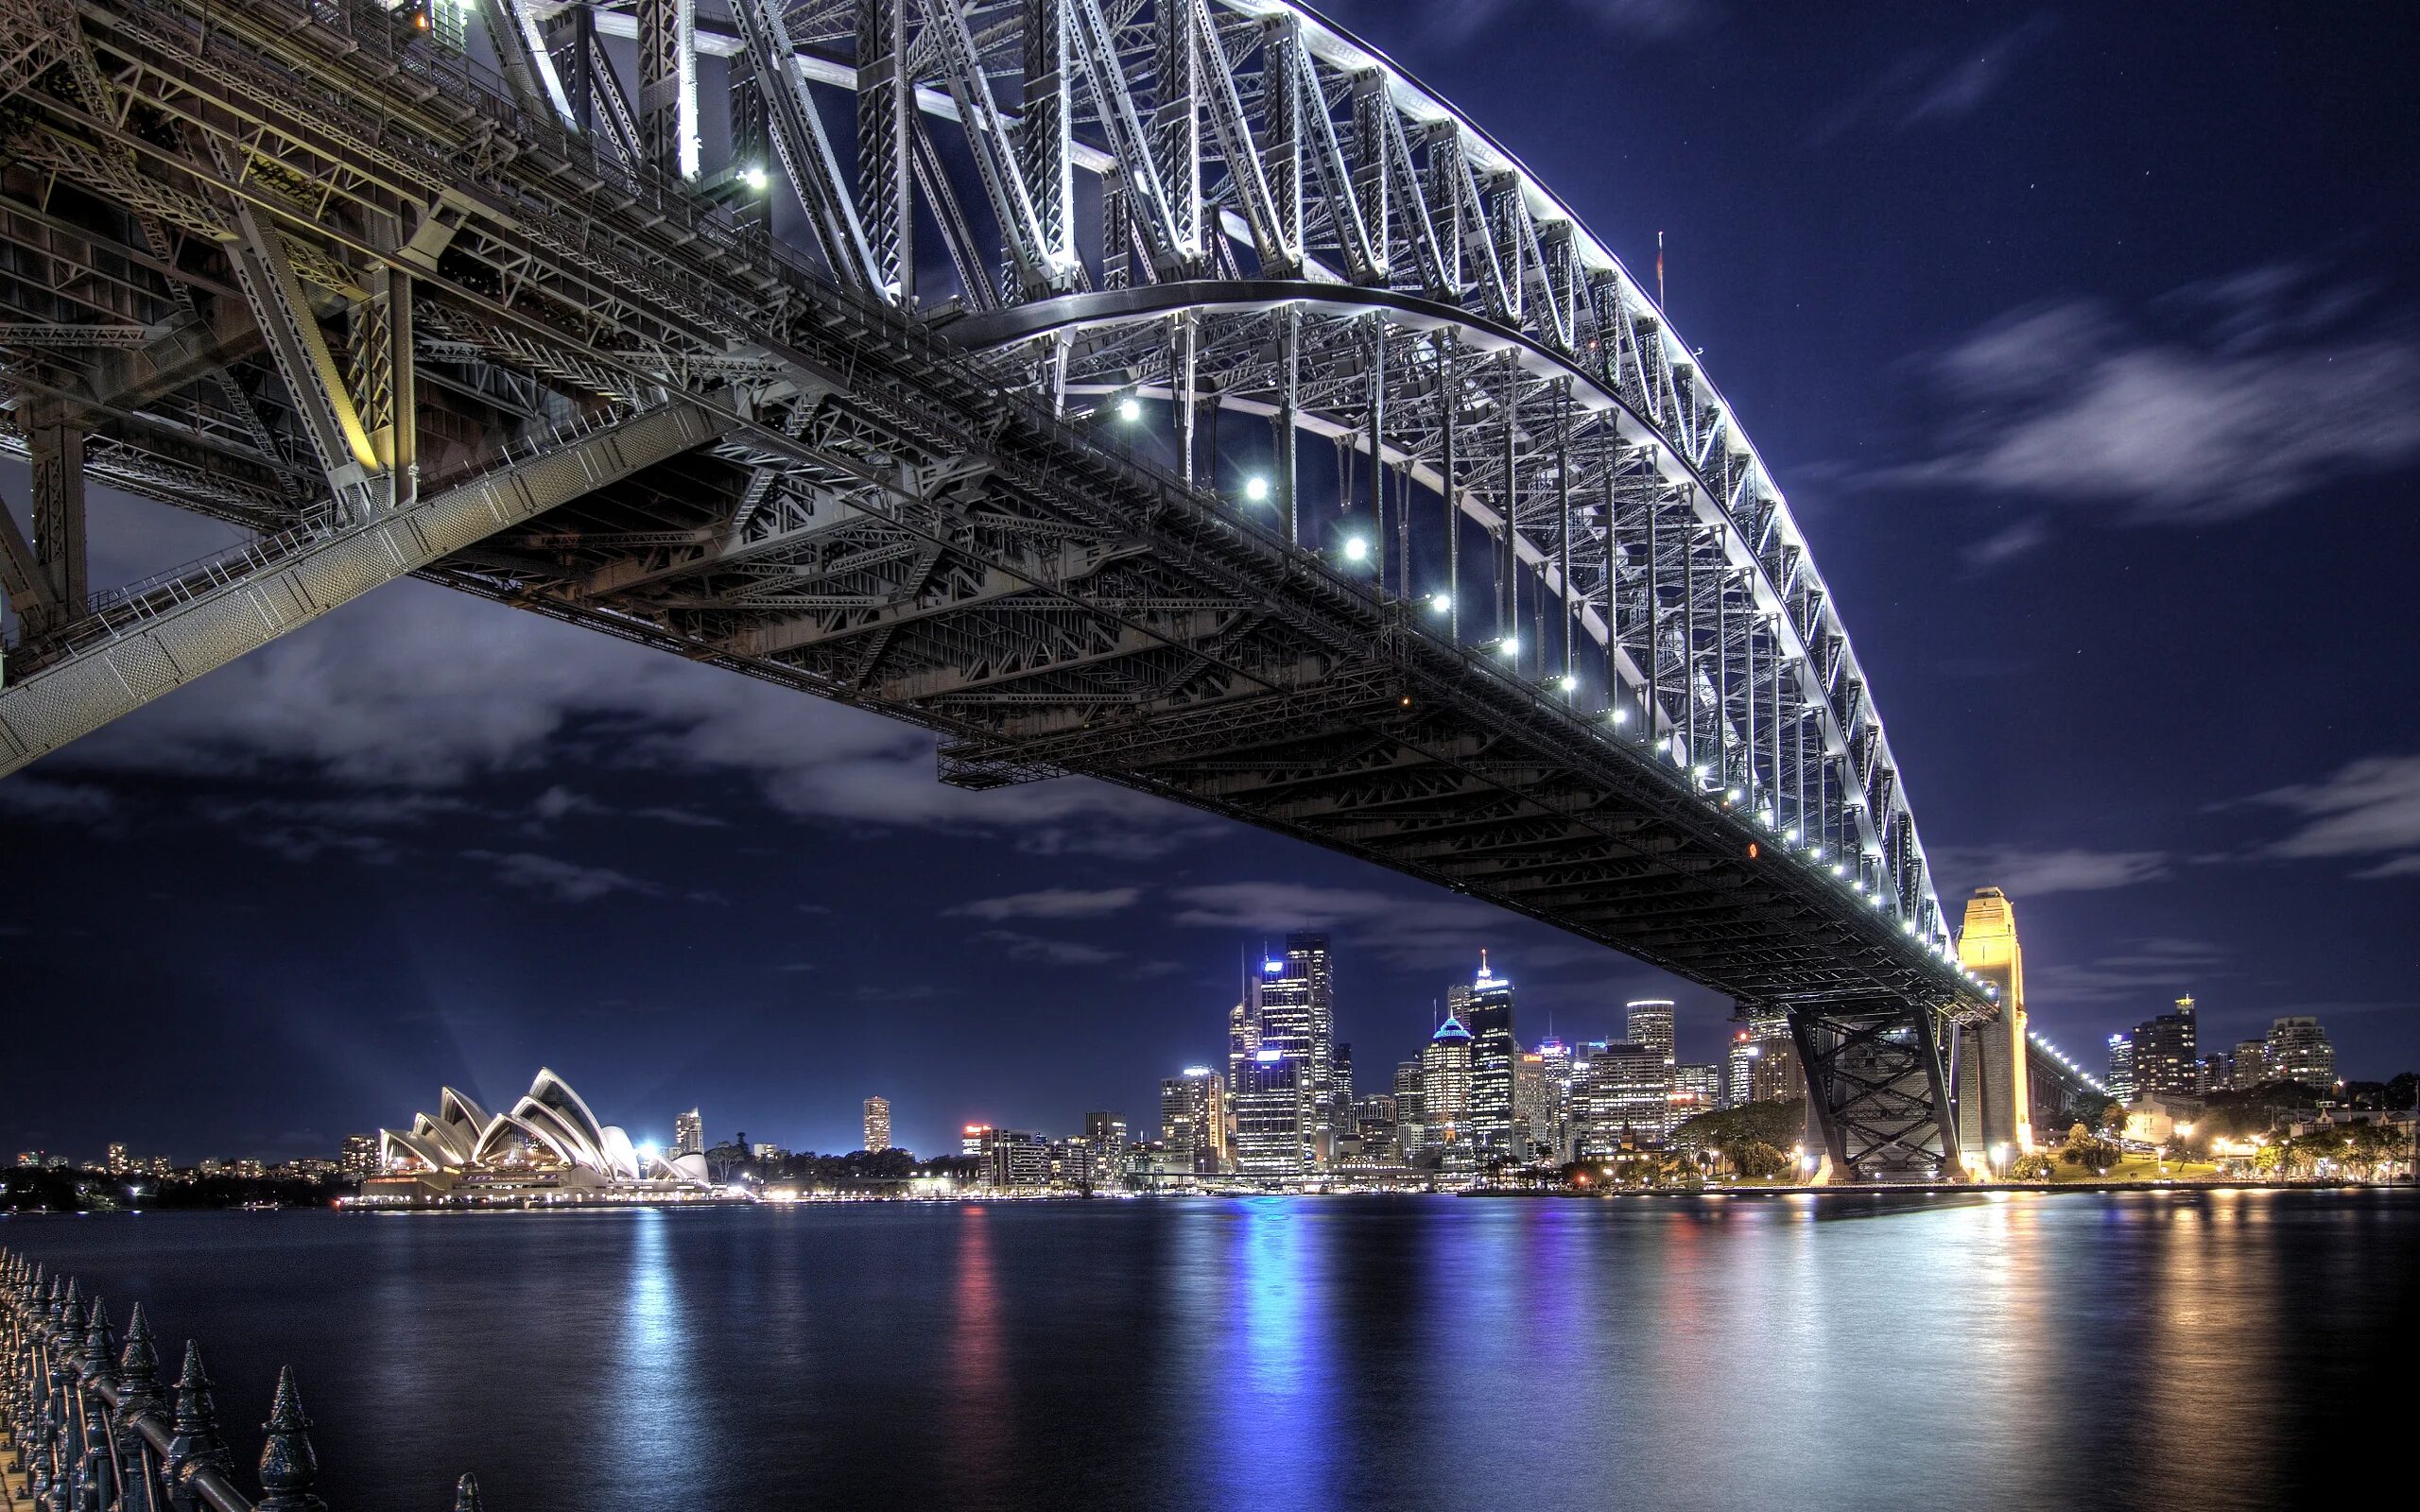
(1169, 391)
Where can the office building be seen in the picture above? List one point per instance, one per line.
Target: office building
(1650, 1025)
(1107, 1134)
(1295, 1013)
(2165, 1062)
(1445, 1092)
(2298, 1050)
(877, 1125)
(2122, 1067)
(1773, 1073)
(1619, 1092)
(1275, 1124)
(690, 1133)
(1697, 1088)
(1193, 1119)
(1010, 1157)
(1739, 1069)
(1551, 1122)
(1407, 1119)
(1484, 1008)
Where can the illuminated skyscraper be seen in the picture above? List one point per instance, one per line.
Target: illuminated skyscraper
(1739, 1087)
(1484, 1008)
(1193, 1118)
(1650, 1025)
(2248, 1066)
(690, 1133)
(1696, 1089)
(1407, 1120)
(877, 1125)
(1550, 1120)
(1274, 1120)
(1995, 1112)
(2122, 1067)
(1618, 1089)
(114, 1161)
(1445, 1092)
(2166, 1060)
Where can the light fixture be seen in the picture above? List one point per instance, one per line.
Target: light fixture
(1567, 683)
(1511, 645)
(1355, 548)
(1130, 408)
(1621, 714)
(1440, 604)
(1256, 489)
(755, 179)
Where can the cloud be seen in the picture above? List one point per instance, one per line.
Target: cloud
(2149, 970)
(2007, 544)
(559, 801)
(39, 798)
(565, 881)
(2369, 808)
(1050, 903)
(2228, 408)
(1023, 947)
(1419, 931)
(1927, 85)
(687, 818)
(1445, 24)
(2022, 872)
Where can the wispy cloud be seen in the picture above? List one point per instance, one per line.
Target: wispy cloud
(1932, 84)
(565, 880)
(2249, 391)
(39, 798)
(1424, 931)
(1050, 903)
(2370, 808)
(1439, 24)
(2023, 872)
(1023, 947)
(2149, 970)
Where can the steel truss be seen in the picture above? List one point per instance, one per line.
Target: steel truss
(280, 261)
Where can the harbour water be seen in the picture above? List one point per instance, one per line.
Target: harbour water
(2179, 1350)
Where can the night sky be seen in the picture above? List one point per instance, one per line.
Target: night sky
(2085, 342)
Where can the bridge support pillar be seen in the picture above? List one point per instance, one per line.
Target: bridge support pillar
(1878, 1089)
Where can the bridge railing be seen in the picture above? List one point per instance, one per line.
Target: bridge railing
(90, 1422)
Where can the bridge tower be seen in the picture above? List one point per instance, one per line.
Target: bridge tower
(1995, 1117)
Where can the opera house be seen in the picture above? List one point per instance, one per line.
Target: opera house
(547, 1148)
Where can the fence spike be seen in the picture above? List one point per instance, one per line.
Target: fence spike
(99, 1364)
(138, 1369)
(288, 1465)
(466, 1494)
(198, 1440)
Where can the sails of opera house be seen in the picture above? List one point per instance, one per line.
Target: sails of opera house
(547, 1148)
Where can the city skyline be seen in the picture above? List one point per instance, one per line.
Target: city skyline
(534, 834)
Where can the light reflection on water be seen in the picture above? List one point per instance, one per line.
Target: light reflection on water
(2210, 1350)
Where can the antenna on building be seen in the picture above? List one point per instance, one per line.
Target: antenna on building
(1659, 271)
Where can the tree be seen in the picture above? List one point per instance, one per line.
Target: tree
(2032, 1166)
(1759, 1162)
(2269, 1161)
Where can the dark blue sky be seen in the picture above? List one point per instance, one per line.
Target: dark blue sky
(2086, 341)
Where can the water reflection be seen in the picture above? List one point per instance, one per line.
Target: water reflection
(2210, 1350)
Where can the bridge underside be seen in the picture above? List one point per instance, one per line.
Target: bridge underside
(301, 267)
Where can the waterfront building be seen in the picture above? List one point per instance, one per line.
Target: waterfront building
(1276, 1127)
(1107, 1132)
(1484, 1008)
(2249, 1065)
(358, 1156)
(2164, 1058)
(2298, 1050)
(115, 1161)
(1619, 1092)
(1446, 1093)
(2122, 1067)
(1377, 1125)
(877, 1125)
(972, 1140)
(1193, 1119)
(548, 1147)
(1531, 1104)
(690, 1133)
(1996, 1101)
(1012, 1158)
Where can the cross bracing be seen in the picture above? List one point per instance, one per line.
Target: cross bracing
(1170, 390)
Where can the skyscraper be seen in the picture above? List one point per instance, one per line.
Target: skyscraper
(2298, 1052)
(1550, 1122)
(877, 1125)
(1445, 1092)
(1106, 1133)
(1774, 1074)
(1484, 1008)
(1650, 1025)
(690, 1133)
(1697, 1088)
(1619, 1090)
(1193, 1118)
(1407, 1120)
(1274, 1115)
(1739, 1069)
(2122, 1067)
(114, 1161)
(2165, 1061)
(1292, 1011)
